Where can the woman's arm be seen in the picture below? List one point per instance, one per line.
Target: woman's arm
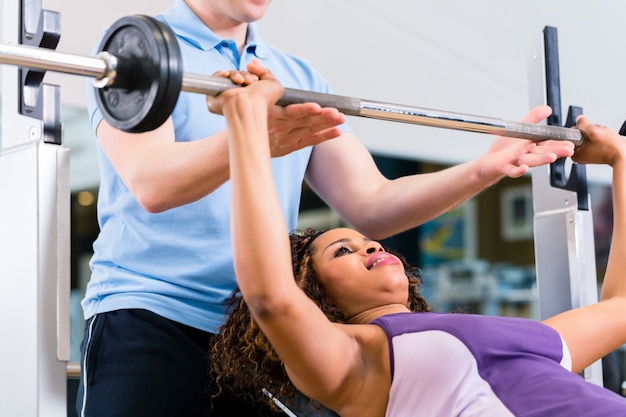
(319, 357)
(593, 331)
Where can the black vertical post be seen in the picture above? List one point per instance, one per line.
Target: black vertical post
(577, 179)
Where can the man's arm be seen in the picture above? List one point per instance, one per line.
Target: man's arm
(162, 173)
(344, 174)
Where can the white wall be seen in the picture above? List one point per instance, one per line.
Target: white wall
(463, 56)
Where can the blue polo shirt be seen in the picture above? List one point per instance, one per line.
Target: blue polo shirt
(178, 263)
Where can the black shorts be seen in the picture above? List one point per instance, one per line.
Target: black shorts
(135, 363)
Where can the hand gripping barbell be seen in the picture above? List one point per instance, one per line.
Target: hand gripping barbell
(138, 75)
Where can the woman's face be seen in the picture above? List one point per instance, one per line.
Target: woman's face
(357, 273)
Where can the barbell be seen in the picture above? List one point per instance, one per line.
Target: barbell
(138, 75)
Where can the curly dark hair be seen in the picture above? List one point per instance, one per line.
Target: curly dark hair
(242, 358)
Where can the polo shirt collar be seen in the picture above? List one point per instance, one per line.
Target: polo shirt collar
(189, 27)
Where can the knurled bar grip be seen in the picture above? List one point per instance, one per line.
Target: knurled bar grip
(409, 114)
(103, 69)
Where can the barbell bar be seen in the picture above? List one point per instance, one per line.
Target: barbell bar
(138, 76)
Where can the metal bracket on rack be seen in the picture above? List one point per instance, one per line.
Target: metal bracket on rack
(40, 28)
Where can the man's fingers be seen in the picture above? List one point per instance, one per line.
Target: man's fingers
(537, 159)
(537, 114)
(298, 111)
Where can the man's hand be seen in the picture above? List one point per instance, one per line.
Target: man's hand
(297, 126)
(292, 127)
(514, 157)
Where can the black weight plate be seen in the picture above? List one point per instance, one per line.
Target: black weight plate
(149, 75)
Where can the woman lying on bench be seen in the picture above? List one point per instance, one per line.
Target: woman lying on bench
(341, 318)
